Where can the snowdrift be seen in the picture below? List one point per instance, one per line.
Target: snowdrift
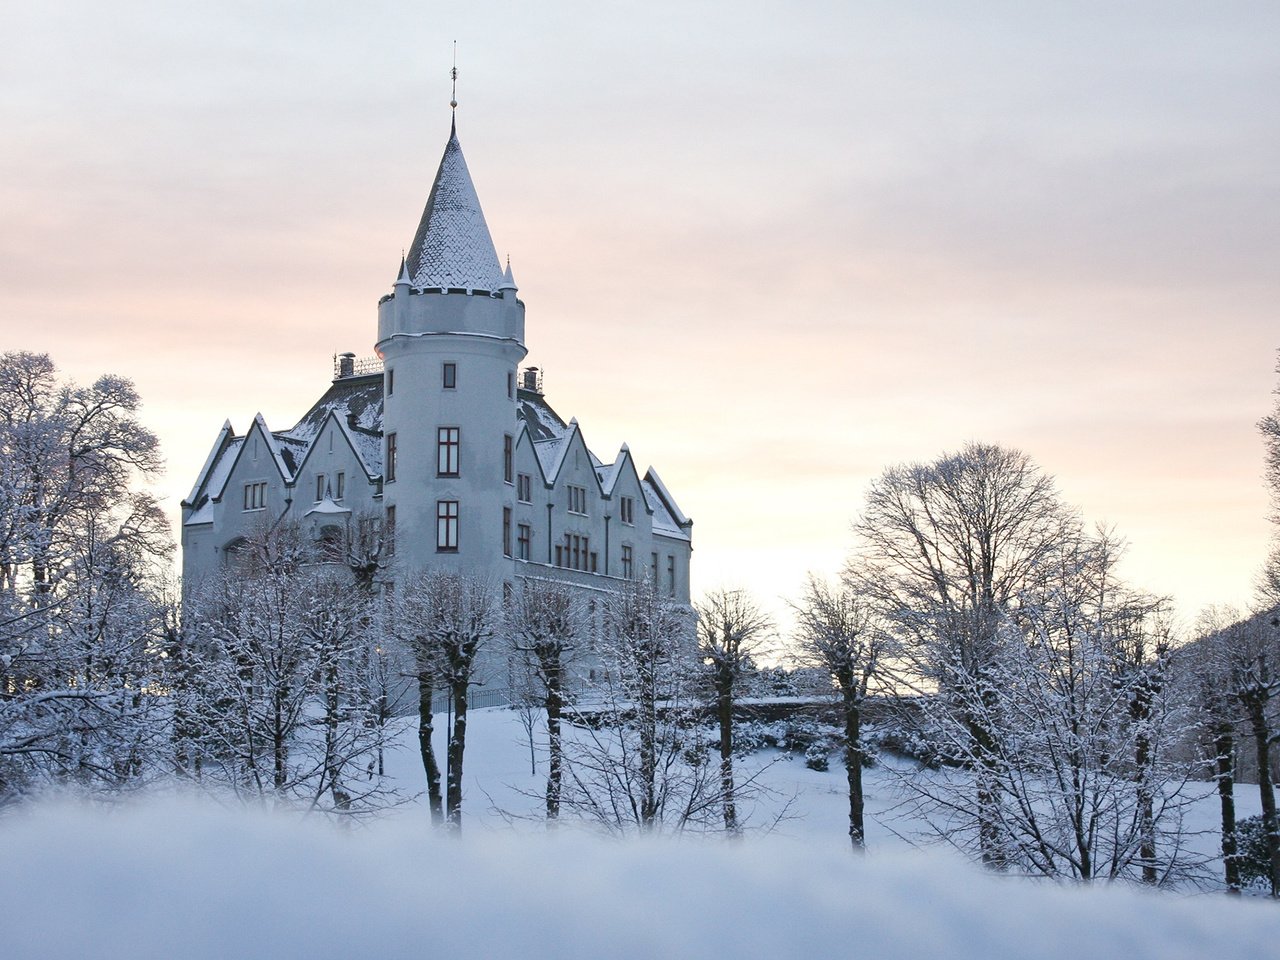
(187, 879)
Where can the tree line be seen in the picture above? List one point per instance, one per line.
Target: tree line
(1056, 723)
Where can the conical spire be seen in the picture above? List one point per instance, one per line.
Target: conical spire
(452, 247)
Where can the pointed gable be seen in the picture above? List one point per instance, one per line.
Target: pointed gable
(452, 247)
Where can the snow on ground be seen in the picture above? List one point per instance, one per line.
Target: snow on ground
(178, 877)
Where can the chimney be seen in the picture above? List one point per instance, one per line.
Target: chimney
(346, 365)
(532, 380)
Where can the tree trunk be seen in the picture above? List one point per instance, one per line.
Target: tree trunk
(1140, 712)
(853, 755)
(426, 728)
(554, 705)
(333, 768)
(1224, 746)
(1257, 710)
(457, 745)
(724, 713)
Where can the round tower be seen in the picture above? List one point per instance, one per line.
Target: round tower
(451, 336)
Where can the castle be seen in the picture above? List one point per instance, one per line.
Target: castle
(443, 451)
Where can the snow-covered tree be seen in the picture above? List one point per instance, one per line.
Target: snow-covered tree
(839, 632)
(446, 621)
(278, 697)
(83, 607)
(546, 623)
(732, 633)
(944, 549)
(637, 762)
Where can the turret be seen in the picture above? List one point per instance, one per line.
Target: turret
(451, 336)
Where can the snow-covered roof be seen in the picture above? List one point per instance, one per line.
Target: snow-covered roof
(327, 506)
(663, 522)
(452, 247)
(356, 405)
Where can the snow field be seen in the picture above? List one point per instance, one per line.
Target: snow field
(182, 877)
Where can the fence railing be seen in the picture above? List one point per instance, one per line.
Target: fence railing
(476, 697)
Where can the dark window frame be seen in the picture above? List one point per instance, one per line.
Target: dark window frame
(448, 451)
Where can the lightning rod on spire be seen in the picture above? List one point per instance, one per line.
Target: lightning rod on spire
(453, 75)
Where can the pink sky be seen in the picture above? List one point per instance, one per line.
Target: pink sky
(775, 250)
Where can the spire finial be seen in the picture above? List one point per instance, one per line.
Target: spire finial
(453, 75)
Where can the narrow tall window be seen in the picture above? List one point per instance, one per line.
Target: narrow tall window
(626, 561)
(627, 507)
(446, 525)
(255, 496)
(511, 385)
(447, 441)
(389, 531)
(506, 531)
(653, 569)
(319, 487)
(524, 488)
(671, 576)
(339, 485)
(390, 471)
(524, 539)
(508, 458)
(449, 376)
(391, 382)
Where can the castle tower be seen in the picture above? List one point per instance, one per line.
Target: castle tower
(451, 336)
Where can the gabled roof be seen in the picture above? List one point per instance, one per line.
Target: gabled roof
(668, 519)
(452, 247)
(610, 473)
(215, 452)
(356, 403)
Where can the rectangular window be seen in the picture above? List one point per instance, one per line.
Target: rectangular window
(340, 486)
(653, 569)
(627, 508)
(446, 525)
(524, 540)
(391, 382)
(626, 561)
(390, 471)
(389, 531)
(578, 500)
(449, 378)
(447, 442)
(255, 496)
(319, 487)
(508, 458)
(524, 488)
(506, 531)
(511, 386)
(671, 576)
(575, 553)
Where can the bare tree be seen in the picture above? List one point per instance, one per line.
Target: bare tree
(446, 620)
(277, 692)
(838, 631)
(1211, 667)
(636, 761)
(82, 591)
(732, 632)
(945, 547)
(545, 628)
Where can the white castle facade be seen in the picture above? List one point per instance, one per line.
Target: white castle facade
(446, 453)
